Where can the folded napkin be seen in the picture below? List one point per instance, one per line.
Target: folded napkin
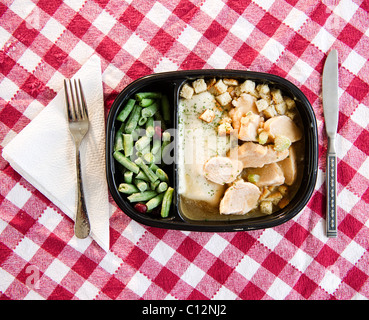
(44, 154)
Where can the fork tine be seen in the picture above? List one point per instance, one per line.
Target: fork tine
(83, 101)
(79, 111)
(67, 101)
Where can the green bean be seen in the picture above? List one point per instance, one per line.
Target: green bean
(142, 196)
(159, 119)
(123, 115)
(162, 175)
(153, 185)
(142, 143)
(166, 142)
(133, 119)
(149, 157)
(154, 202)
(141, 184)
(142, 121)
(147, 95)
(128, 176)
(163, 186)
(150, 131)
(167, 201)
(128, 144)
(145, 102)
(150, 174)
(165, 107)
(126, 162)
(127, 188)
(118, 141)
(140, 175)
(153, 167)
(150, 122)
(150, 110)
(156, 146)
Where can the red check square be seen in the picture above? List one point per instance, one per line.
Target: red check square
(216, 32)
(79, 25)
(131, 18)
(185, 10)
(49, 6)
(350, 36)
(268, 24)
(25, 33)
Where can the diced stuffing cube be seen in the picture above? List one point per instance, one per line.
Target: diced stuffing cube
(290, 103)
(266, 207)
(248, 86)
(264, 92)
(261, 104)
(186, 91)
(211, 82)
(291, 114)
(277, 96)
(208, 115)
(270, 112)
(274, 197)
(224, 98)
(220, 87)
(230, 82)
(263, 88)
(199, 85)
(281, 108)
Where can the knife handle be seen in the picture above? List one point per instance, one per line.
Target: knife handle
(331, 195)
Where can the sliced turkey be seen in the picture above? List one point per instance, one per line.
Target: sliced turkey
(255, 155)
(222, 170)
(239, 198)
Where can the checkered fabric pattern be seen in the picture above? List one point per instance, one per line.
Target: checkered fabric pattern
(45, 41)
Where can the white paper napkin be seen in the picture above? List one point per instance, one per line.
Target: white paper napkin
(43, 153)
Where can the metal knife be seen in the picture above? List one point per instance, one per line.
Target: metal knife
(330, 107)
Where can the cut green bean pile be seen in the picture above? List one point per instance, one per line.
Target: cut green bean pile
(138, 148)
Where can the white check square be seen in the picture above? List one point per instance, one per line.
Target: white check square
(19, 195)
(301, 71)
(272, 50)
(104, 22)
(354, 62)
(139, 283)
(189, 37)
(162, 252)
(158, 14)
(29, 60)
(242, 28)
(193, 275)
(52, 30)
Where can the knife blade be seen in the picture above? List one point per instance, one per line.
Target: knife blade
(330, 107)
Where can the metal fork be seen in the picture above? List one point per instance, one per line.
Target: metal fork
(78, 127)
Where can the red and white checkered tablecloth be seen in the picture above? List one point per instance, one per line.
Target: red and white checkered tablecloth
(45, 41)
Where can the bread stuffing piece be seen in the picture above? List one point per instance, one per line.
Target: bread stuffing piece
(220, 87)
(208, 115)
(222, 170)
(240, 198)
(224, 98)
(186, 91)
(199, 85)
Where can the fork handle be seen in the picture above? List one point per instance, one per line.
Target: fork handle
(82, 224)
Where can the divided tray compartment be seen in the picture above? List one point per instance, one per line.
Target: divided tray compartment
(170, 83)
